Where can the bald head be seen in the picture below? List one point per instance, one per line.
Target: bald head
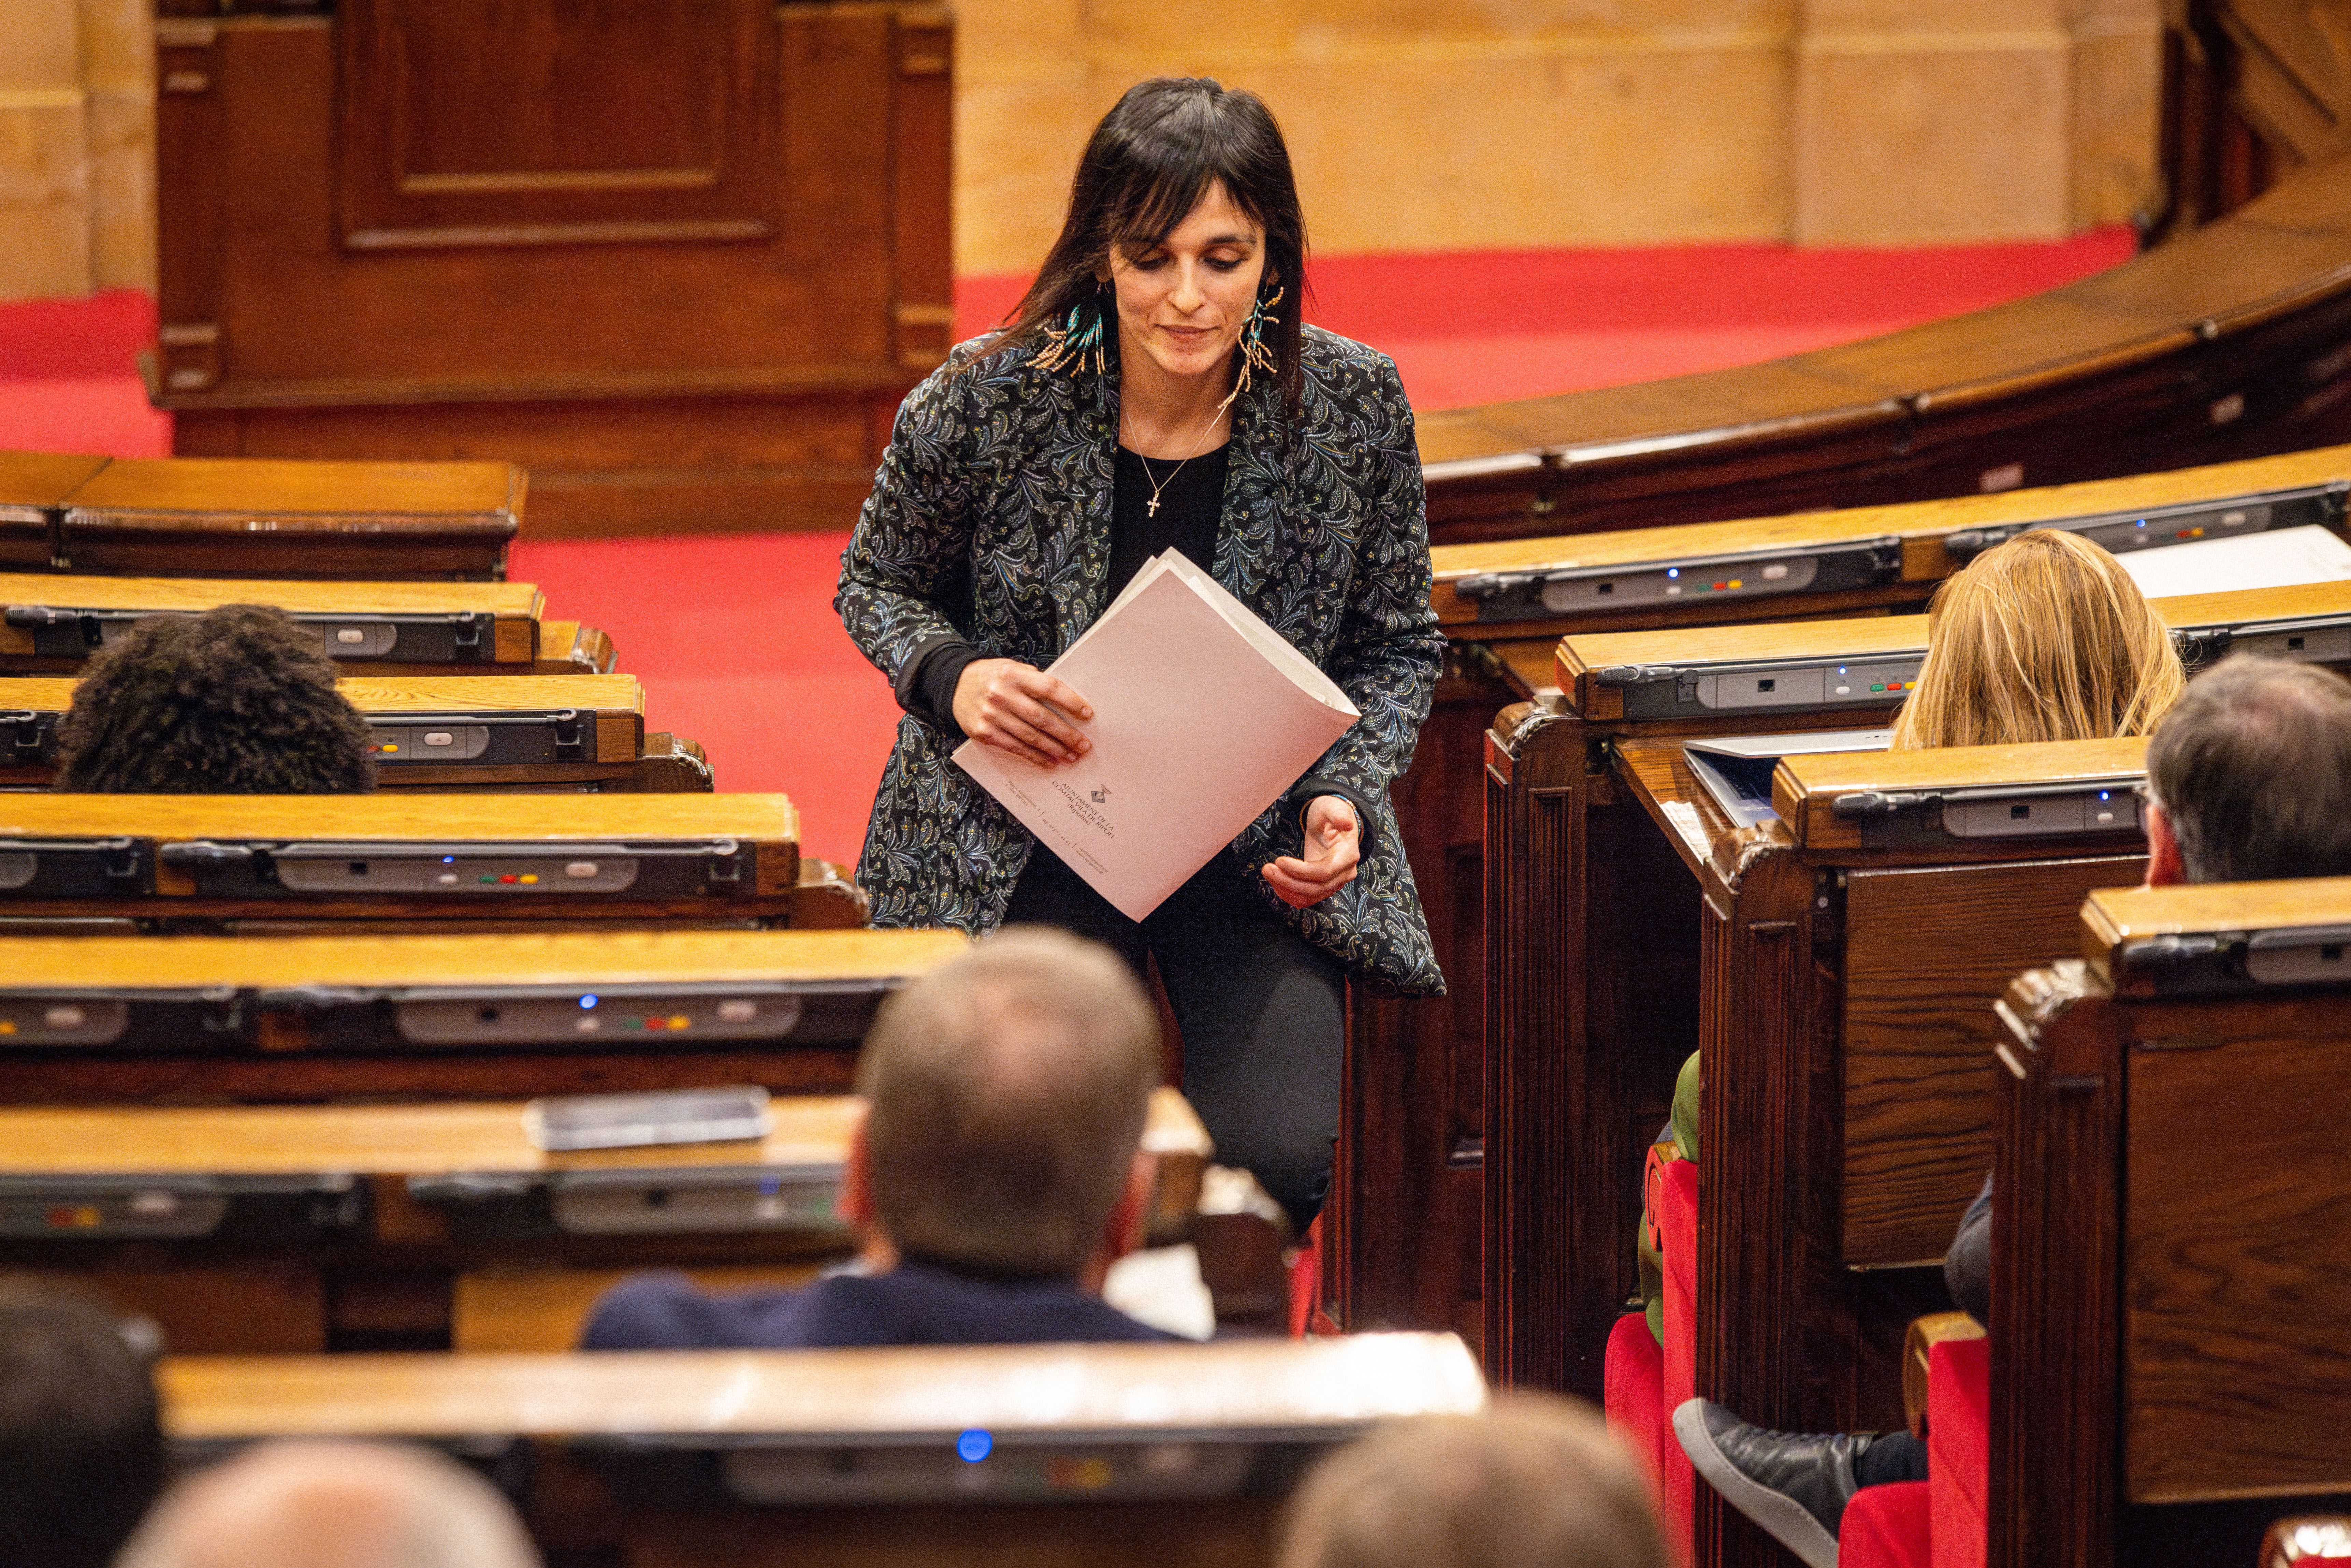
(332, 1505)
(1534, 1482)
(1007, 1093)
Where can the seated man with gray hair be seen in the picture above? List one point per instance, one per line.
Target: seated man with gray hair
(998, 1175)
(332, 1505)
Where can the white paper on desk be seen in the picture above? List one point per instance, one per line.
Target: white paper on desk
(2280, 559)
(1203, 716)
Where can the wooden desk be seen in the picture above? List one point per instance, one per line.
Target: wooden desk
(403, 856)
(1846, 965)
(1400, 1229)
(33, 490)
(233, 517)
(1156, 1454)
(2209, 348)
(1567, 850)
(444, 732)
(53, 624)
(440, 1219)
(114, 1018)
(2169, 1279)
(1858, 557)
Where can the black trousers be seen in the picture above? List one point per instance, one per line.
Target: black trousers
(1263, 1014)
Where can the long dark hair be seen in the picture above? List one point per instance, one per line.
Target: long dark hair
(1145, 168)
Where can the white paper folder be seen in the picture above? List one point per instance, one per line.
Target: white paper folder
(1204, 715)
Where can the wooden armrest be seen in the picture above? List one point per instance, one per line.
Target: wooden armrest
(1925, 1335)
(826, 899)
(2306, 1538)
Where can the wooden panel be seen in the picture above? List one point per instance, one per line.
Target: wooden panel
(2236, 1276)
(248, 517)
(516, 600)
(33, 489)
(661, 381)
(1927, 952)
(400, 1140)
(542, 1310)
(1234, 1387)
(762, 818)
(257, 1309)
(606, 957)
(533, 123)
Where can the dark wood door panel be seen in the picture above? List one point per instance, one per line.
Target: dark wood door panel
(555, 121)
(1927, 952)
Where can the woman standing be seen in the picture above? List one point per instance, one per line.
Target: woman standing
(1156, 390)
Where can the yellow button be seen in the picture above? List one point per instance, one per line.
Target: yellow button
(679, 1020)
(528, 878)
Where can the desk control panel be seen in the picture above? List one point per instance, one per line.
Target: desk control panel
(1761, 685)
(503, 739)
(643, 869)
(1914, 818)
(983, 1467)
(454, 637)
(2181, 523)
(678, 1201)
(1542, 592)
(2228, 963)
(147, 1207)
(633, 1017)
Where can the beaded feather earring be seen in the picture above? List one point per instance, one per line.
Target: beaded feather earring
(1255, 353)
(1069, 343)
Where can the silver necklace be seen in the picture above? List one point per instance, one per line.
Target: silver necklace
(1158, 484)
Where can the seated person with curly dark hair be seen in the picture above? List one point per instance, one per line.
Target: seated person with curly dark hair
(239, 700)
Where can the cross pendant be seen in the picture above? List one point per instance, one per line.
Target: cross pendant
(1153, 509)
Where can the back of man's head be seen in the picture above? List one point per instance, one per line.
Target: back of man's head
(81, 1444)
(240, 700)
(1007, 1093)
(2252, 769)
(1535, 1482)
(332, 1505)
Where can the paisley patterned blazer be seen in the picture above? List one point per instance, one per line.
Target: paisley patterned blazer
(989, 521)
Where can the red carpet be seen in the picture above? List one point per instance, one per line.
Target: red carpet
(735, 637)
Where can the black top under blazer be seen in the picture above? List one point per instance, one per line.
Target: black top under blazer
(990, 522)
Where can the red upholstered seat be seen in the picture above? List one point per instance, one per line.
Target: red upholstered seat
(1635, 1393)
(1886, 1527)
(1958, 1448)
(1677, 1232)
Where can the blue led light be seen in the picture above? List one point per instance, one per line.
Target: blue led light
(973, 1445)
(448, 859)
(588, 1001)
(2140, 524)
(2106, 795)
(1673, 571)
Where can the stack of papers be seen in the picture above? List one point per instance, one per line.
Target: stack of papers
(1737, 770)
(2280, 560)
(1204, 715)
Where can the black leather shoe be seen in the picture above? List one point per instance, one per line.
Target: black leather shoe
(1794, 1484)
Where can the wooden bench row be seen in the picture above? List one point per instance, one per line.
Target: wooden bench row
(233, 517)
(2224, 343)
(292, 1228)
(1416, 1117)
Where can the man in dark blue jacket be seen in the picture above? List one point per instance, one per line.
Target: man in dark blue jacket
(998, 1175)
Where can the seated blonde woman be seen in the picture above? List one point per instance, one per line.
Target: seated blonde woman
(2044, 637)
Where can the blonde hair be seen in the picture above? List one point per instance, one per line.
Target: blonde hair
(1534, 1482)
(2042, 638)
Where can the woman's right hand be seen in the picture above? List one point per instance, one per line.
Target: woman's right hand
(1003, 703)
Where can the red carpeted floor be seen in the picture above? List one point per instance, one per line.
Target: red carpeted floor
(734, 636)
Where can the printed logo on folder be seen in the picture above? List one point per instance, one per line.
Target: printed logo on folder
(1204, 715)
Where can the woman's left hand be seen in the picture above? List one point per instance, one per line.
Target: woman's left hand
(1333, 844)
